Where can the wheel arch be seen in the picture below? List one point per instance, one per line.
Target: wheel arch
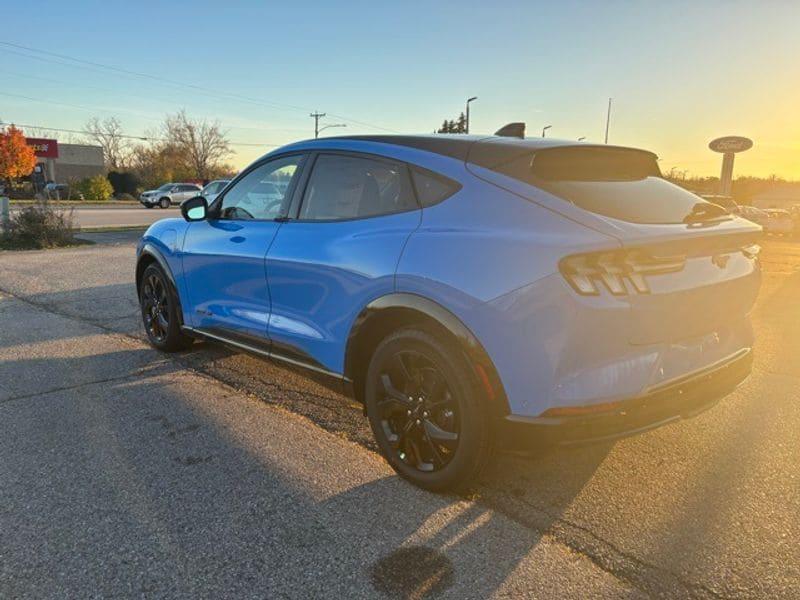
(394, 311)
(149, 255)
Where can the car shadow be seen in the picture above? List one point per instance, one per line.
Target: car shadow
(162, 483)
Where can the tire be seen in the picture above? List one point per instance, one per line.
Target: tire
(427, 413)
(164, 203)
(159, 307)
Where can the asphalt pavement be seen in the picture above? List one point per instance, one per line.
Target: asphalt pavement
(127, 472)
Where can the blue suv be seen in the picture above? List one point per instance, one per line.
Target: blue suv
(471, 292)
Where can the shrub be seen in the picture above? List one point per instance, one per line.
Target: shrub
(96, 188)
(39, 226)
(123, 182)
(124, 196)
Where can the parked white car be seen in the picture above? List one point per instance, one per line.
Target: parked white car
(756, 215)
(780, 221)
(169, 194)
(212, 190)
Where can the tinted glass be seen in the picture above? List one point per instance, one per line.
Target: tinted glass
(615, 182)
(347, 187)
(432, 188)
(263, 192)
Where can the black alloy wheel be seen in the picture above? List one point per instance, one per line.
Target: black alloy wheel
(155, 307)
(160, 311)
(426, 410)
(418, 414)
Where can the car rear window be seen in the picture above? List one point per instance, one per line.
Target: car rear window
(621, 183)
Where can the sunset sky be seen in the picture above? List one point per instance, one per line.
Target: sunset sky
(680, 73)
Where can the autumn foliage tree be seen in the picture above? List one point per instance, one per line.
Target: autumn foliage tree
(17, 159)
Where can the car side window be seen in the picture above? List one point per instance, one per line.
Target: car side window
(432, 188)
(263, 192)
(350, 187)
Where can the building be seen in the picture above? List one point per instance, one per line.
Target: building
(781, 195)
(66, 163)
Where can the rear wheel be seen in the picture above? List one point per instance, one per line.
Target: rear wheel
(426, 413)
(160, 312)
(164, 203)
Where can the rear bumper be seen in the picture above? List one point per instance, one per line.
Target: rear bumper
(679, 399)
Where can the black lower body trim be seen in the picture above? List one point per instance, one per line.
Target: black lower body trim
(261, 347)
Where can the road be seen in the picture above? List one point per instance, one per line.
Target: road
(130, 473)
(118, 216)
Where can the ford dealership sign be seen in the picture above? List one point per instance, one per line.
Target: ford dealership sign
(731, 143)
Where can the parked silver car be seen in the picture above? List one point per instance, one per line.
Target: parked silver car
(213, 189)
(168, 194)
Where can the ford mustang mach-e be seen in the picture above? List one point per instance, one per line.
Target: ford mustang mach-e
(472, 292)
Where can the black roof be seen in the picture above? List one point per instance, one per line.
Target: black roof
(459, 145)
(483, 150)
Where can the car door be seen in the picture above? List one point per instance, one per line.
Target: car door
(224, 256)
(338, 252)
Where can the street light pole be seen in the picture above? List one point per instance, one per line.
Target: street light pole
(608, 118)
(321, 129)
(545, 128)
(468, 101)
(316, 116)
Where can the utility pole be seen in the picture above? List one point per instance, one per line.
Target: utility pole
(316, 116)
(608, 118)
(468, 101)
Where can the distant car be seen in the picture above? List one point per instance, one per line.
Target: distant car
(795, 212)
(756, 215)
(57, 191)
(780, 221)
(169, 194)
(213, 188)
(467, 290)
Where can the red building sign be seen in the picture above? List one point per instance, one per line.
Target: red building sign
(43, 148)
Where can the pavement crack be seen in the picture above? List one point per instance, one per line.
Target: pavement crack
(73, 386)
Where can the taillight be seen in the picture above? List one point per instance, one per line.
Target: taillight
(619, 271)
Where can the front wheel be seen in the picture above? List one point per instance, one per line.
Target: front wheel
(160, 312)
(426, 412)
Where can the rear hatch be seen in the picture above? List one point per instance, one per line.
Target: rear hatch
(686, 266)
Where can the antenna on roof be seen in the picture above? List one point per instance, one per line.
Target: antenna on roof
(512, 130)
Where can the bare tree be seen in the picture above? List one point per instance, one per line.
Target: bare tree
(107, 133)
(201, 143)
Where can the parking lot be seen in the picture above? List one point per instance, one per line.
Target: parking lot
(211, 473)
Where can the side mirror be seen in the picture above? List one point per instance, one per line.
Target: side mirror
(194, 209)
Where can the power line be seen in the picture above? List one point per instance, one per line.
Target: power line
(197, 88)
(141, 138)
(147, 97)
